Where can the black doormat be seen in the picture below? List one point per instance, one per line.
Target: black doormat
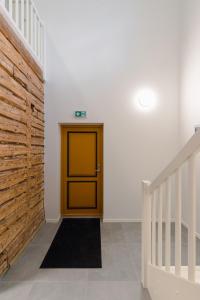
(77, 244)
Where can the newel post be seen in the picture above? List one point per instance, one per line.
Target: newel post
(146, 232)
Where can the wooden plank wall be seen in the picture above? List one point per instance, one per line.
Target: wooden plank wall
(21, 146)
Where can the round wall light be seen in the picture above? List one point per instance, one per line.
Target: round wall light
(146, 99)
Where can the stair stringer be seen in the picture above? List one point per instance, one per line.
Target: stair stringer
(163, 285)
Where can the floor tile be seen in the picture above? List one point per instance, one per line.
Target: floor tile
(27, 266)
(116, 266)
(116, 290)
(15, 290)
(61, 275)
(58, 291)
(132, 232)
(103, 291)
(46, 234)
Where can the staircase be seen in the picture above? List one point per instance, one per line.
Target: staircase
(165, 276)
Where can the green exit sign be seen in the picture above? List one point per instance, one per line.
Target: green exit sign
(80, 114)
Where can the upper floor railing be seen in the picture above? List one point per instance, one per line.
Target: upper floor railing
(165, 192)
(25, 17)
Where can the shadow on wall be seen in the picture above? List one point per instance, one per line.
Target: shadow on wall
(56, 91)
(66, 87)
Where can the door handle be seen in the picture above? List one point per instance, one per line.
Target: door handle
(98, 170)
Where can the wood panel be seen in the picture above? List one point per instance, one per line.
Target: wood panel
(21, 147)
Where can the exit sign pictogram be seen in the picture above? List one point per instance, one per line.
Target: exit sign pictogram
(80, 114)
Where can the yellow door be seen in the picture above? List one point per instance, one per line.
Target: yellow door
(82, 170)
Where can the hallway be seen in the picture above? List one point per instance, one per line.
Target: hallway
(118, 279)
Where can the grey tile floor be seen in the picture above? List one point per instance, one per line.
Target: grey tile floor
(118, 279)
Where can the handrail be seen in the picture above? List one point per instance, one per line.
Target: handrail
(190, 148)
(157, 201)
(25, 19)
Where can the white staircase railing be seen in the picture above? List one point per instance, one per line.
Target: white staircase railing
(25, 17)
(157, 216)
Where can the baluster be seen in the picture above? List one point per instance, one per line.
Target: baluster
(27, 21)
(35, 31)
(42, 44)
(22, 16)
(31, 24)
(149, 230)
(38, 38)
(3, 2)
(160, 218)
(192, 220)
(36, 34)
(168, 226)
(17, 12)
(146, 233)
(40, 41)
(178, 224)
(10, 8)
(153, 242)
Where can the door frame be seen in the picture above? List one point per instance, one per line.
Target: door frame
(80, 125)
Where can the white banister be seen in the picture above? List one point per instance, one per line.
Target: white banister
(38, 37)
(28, 21)
(10, 8)
(35, 31)
(192, 146)
(158, 197)
(192, 219)
(160, 221)
(24, 16)
(168, 191)
(3, 2)
(178, 224)
(146, 232)
(16, 2)
(153, 242)
(42, 44)
(31, 25)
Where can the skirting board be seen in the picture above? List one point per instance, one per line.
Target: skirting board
(104, 220)
(122, 220)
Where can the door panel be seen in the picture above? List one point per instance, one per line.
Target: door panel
(82, 194)
(82, 154)
(82, 170)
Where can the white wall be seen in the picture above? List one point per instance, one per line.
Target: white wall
(99, 52)
(190, 85)
(190, 69)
